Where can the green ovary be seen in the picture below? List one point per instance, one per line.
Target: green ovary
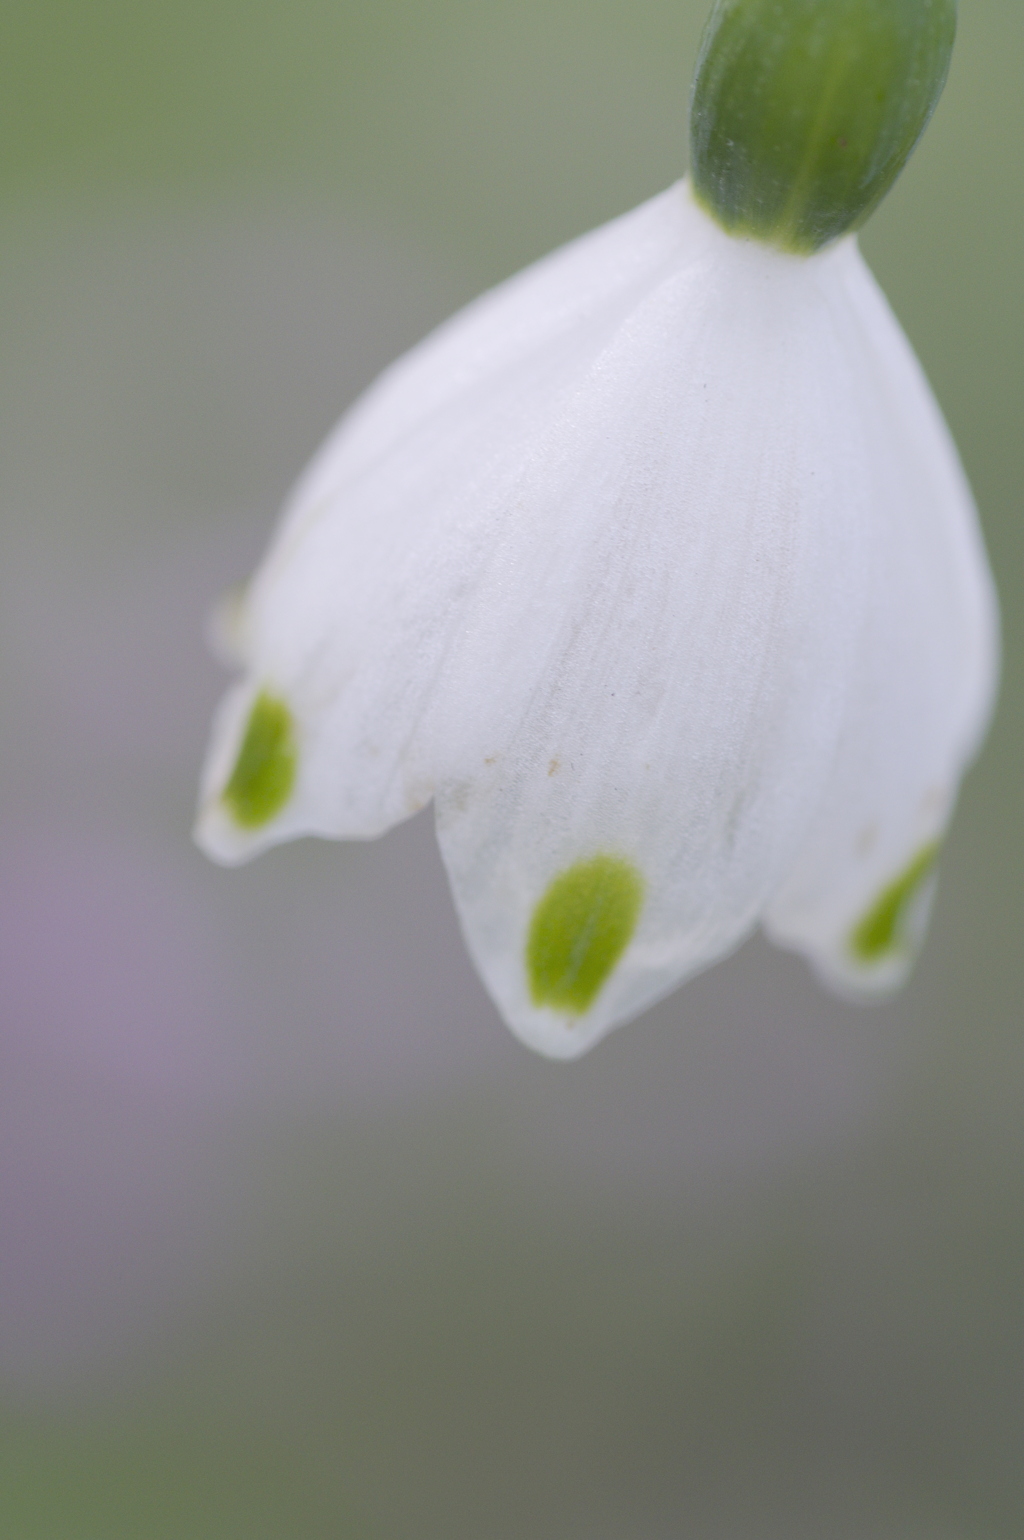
(264, 772)
(804, 112)
(882, 932)
(580, 929)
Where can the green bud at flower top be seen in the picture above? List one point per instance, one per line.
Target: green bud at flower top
(804, 112)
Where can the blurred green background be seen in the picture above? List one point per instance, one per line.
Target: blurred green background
(296, 1242)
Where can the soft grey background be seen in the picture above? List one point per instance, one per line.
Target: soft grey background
(294, 1239)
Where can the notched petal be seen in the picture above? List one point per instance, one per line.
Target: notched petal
(579, 931)
(893, 926)
(263, 777)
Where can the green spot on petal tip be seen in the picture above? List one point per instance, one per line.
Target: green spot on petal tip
(882, 933)
(264, 772)
(804, 112)
(579, 930)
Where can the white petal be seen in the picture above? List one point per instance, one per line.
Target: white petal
(858, 898)
(512, 325)
(353, 615)
(656, 659)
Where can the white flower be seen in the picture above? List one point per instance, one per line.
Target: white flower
(657, 571)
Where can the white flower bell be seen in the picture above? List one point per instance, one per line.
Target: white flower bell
(657, 571)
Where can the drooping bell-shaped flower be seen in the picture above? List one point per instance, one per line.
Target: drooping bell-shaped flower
(655, 569)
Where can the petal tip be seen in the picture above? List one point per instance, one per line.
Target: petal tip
(893, 927)
(876, 954)
(560, 1037)
(250, 777)
(579, 931)
(553, 994)
(219, 839)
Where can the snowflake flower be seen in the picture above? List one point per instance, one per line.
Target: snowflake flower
(655, 569)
